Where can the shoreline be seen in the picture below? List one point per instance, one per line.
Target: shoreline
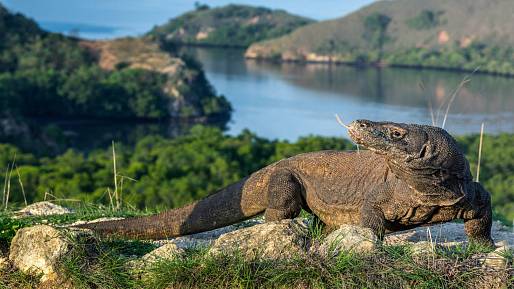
(376, 65)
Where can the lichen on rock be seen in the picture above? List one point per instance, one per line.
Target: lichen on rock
(38, 249)
(43, 209)
(348, 238)
(273, 240)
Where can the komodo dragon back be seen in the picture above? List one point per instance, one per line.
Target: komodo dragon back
(414, 175)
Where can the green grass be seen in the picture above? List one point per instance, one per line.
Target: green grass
(10, 278)
(463, 251)
(315, 227)
(104, 265)
(96, 266)
(9, 225)
(390, 267)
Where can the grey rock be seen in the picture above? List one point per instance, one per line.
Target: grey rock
(348, 238)
(423, 248)
(36, 250)
(206, 239)
(273, 240)
(447, 233)
(497, 259)
(167, 251)
(43, 209)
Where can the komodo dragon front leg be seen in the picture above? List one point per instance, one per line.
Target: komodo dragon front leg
(478, 220)
(285, 200)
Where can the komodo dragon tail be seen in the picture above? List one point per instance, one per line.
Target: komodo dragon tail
(229, 205)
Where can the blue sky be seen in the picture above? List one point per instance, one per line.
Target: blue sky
(138, 16)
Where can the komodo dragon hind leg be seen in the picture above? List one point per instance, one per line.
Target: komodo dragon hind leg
(285, 199)
(478, 227)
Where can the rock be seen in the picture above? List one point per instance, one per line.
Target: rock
(273, 240)
(103, 219)
(423, 248)
(348, 238)
(494, 260)
(43, 209)
(497, 259)
(206, 239)
(446, 233)
(168, 251)
(4, 263)
(36, 250)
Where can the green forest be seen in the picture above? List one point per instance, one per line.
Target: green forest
(45, 74)
(167, 173)
(231, 25)
(49, 75)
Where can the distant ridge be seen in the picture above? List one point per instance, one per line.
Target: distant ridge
(230, 25)
(451, 34)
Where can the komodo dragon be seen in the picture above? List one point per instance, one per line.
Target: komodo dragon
(411, 175)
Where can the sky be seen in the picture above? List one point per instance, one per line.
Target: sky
(134, 17)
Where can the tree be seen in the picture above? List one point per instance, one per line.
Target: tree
(376, 30)
(199, 6)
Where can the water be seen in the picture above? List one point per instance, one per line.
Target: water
(99, 19)
(282, 101)
(289, 100)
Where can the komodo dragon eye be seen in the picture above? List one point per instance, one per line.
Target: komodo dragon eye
(396, 134)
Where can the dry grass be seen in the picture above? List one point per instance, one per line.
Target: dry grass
(480, 151)
(134, 53)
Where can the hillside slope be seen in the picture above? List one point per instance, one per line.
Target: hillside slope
(457, 34)
(45, 74)
(231, 25)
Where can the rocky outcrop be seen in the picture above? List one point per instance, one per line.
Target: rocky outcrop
(43, 209)
(167, 251)
(447, 233)
(497, 259)
(189, 93)
(37, 250)
(348, 238)
(275, 240)
(206, 239)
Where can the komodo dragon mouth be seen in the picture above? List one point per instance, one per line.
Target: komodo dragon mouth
(367, 134)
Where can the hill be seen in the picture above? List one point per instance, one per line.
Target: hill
(456, 34)
(15, 28)
(45, 74)
(231, 25)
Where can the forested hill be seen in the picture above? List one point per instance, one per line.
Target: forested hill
(15, 28)
(231, 25)
(45, 74)
(457, 34)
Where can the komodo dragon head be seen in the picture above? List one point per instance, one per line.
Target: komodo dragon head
(417, 151)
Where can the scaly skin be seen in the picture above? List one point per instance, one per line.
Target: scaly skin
(411, 176)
